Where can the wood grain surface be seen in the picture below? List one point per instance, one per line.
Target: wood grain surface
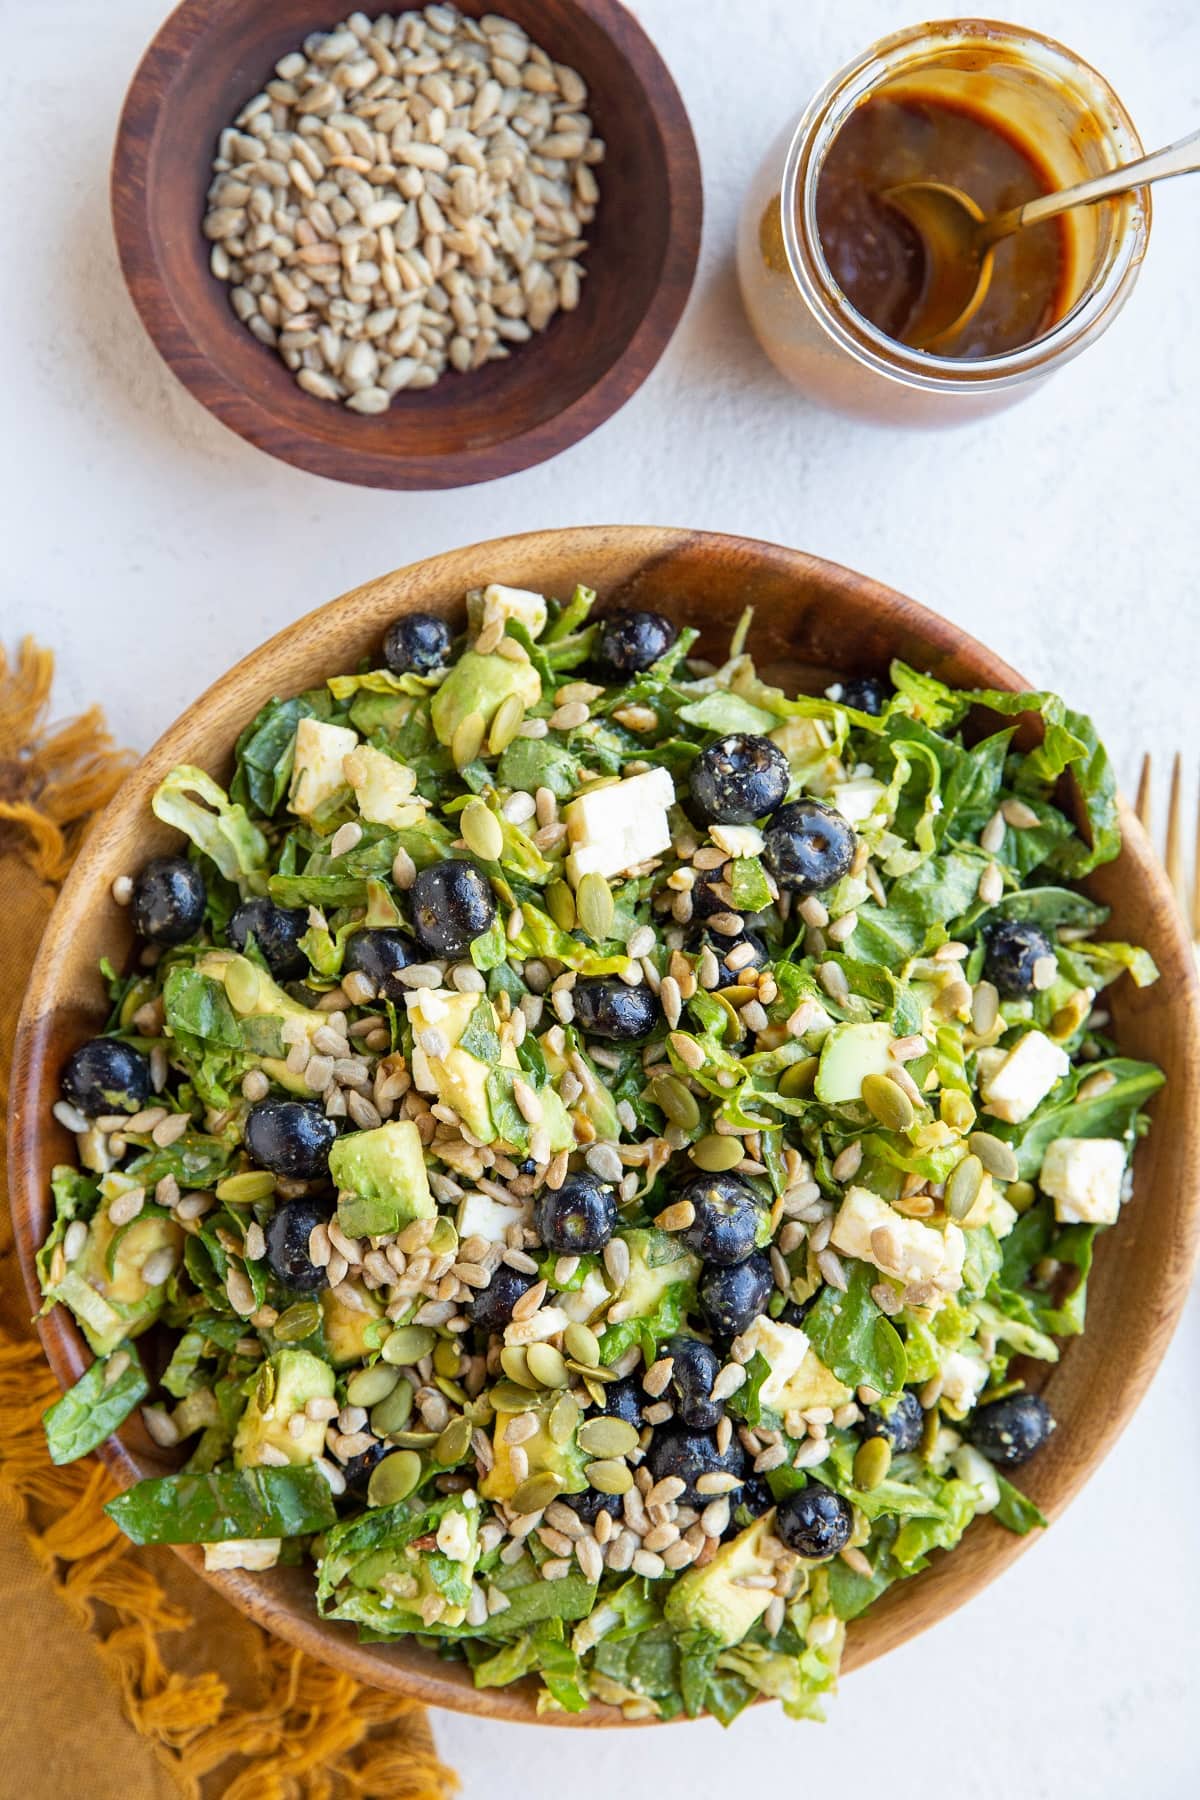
(211, 56)
(812, 618)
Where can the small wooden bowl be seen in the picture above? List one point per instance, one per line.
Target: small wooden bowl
(211, 56)
(813, 619)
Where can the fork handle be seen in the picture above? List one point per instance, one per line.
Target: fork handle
(1182, 158)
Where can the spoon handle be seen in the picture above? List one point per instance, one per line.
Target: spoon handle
(1177, 159)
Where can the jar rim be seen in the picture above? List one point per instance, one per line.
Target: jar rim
(810, 271)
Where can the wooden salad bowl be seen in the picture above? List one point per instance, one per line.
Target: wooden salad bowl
(211, 56)
(812, 618)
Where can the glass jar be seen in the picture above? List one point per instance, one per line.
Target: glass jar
(1038, 91)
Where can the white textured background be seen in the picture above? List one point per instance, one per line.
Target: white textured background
(152, 548)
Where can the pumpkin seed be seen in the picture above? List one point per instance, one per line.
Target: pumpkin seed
(415, 1440)
(407, 1344)
(242, 984)
(962, 1189)
(582, 1344)
(930, 1432)
(738, 992)
(244, 1189)
(595, 1388)
(564, 1417)
(609, 1477)
(447, 1357)
(467, 741)
(454, 1442)
(481, 830)
(734, 1029)
(596, 1375)
(264, 1387)
(797, 1079)
(956, 1109)
(506, 723)
(560, 904)
(512, 1397)
(1067, 1019)
(298, 1322)
(714, 1154)
(1021, 1195)
(394, 1478)
(546, 1365)
(594, 906)
(536, 1493)
(512, 1361)
(887, 1102)
(676, 1101)
(451, 1389)
(443, 1239)
(997, 1157)
(367, 1387)
(392, 1413)
(872, 1460)
(607, 1436)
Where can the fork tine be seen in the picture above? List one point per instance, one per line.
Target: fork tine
(1174, 855)
(1143, 793)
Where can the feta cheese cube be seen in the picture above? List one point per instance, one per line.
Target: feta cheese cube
(614, 828)
(317, 770)
(784, 1346)
(1014, 1089)
(580, 1303)
(243, 1553)
(856, 800)
(383, 788)
(964, 1377)
(481, 1216)
(868, 1228)
(454, 1536)
(1083, 1177)
(499, 602)
(978, 1473)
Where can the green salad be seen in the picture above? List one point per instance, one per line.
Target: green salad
(608, 1148)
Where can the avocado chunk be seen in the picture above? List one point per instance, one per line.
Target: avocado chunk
(849, 1054)
(104, 1287)
(459, 1074)
(384, 789)
(318, 777)
(382, 1178)
(416, 1573)
(261, 1006)
(713, 1600)
(296, 1376)
(481, 684)
(596, 1103)
(657, 1263)
(348, 1333)
(545, 1457)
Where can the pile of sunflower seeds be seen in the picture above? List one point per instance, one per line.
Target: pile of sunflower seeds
(407, 194)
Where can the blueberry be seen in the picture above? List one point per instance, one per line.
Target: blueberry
(277, 931)
(1014, 947)
(738, 780)
(628, 642)
(624, 1400)
(727, 1221)
(105, 1075)
(417, 642)
(288, 1231)
(491, 1309)
(591, 1503)
(381, 954)
(795, 1312)
(690, 1454)
(731, 1299)
(754, 1500)
(816, 1523)
(577, 1217)
(695, 1368)
(902, 1426)
(611, 1009)
(452, 904)
(705, 902)
(809, 847)
(721, 946)
(865, 693)
(290, 1137)
(1009, 1431)
(168, 900)
(360, 1468)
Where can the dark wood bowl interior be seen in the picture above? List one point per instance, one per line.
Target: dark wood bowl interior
(211, 56)
(812, 618)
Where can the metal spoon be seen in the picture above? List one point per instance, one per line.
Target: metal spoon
(958, 241)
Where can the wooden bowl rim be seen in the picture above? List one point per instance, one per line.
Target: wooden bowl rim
(423, 1678)
(236, 405)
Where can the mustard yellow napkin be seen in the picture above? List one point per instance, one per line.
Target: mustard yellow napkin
(122, 1674)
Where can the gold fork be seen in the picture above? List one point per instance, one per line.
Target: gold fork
(1174, 855)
